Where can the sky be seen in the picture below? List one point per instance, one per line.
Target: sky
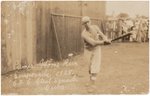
(131, 7)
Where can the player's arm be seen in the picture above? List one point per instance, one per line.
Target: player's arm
(90, 40)
(102, 35)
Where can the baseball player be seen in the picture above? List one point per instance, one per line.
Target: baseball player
(90, 36)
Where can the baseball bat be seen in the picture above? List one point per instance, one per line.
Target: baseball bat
(122, 36)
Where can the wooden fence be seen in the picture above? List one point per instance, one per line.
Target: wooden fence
(18, 35)
(31, 33)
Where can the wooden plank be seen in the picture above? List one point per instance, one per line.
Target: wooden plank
(13, 33)
(66, 40)
(38, 33)
(18, 30)
(4, 58)
(9, 38)
(43, 31)
(29, 31)
(59, 50)
(34, 32)
(47, 26)
(23, 38)
(63, 44)
(50, 51)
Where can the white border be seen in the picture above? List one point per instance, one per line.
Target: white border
(76, 0)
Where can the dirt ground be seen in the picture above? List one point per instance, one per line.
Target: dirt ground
(124, 70)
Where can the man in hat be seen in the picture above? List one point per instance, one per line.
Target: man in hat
(91, 35)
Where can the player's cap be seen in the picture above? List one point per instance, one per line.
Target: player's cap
(85, 19)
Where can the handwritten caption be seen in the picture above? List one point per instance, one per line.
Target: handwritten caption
(49, 75)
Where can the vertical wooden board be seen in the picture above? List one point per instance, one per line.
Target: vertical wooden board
(9, 37)
(63, 37)
(51, 34)
(77, 39)
(4, 22)
(66, 35)
(81, 43)
(46, 29)
(50, 38)
(23, 37)
(69, 39)
(45, 21)
(80, 28)
(60, 33)
(49, 31)
(32, 12)
(34, 31)
(73, 35)
(29, 31)
(38, 24)
(38, 31)
(13, 33)
(77, 35)
(58, 23)
(54, 44)
(18, 38)
(43, 31)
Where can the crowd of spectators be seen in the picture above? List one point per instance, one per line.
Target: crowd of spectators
(139, 28)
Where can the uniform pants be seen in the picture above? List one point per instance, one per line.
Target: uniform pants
(95, 60)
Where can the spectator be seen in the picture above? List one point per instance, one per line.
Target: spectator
(134, 33)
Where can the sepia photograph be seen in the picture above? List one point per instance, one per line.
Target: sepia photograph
(74, 47)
